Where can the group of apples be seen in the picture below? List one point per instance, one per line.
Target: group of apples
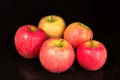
(57, 45)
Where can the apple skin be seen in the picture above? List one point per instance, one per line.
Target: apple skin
(76, 33)
(91, 55)
(28, 40)
(56, 55)
(53, 25)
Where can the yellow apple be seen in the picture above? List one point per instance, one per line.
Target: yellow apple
(53, 25)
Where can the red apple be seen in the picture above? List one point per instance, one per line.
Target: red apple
(91, 55)
(28, 41)
(56, 55)
(53, 25)
(76, 33)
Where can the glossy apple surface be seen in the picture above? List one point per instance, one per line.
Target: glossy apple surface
(56, 55)
(53, 25)
(76, 33)
(28, 41)
(91, 55)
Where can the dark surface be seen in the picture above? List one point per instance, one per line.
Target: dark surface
(100, 15)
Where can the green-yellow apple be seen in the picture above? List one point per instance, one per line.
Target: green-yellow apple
(28, 41)
(56, 55)
(91, 55)
(76, 33)
(53, 25)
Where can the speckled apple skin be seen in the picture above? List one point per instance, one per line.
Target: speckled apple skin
(28, 43)
(56, 59)
(91, 58)
(76, 33)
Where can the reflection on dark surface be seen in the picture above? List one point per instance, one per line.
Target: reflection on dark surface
(89, 75)
(32, 70)
(112, 72)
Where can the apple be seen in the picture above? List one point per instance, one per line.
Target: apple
(91, 55)
(76, 33)
(53, 25)
(28, 40)
(56, 55)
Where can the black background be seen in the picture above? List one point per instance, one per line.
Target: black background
(100, 15)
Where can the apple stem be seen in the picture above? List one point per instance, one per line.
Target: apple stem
(61, 43)
(92, 44)
(51, 18)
